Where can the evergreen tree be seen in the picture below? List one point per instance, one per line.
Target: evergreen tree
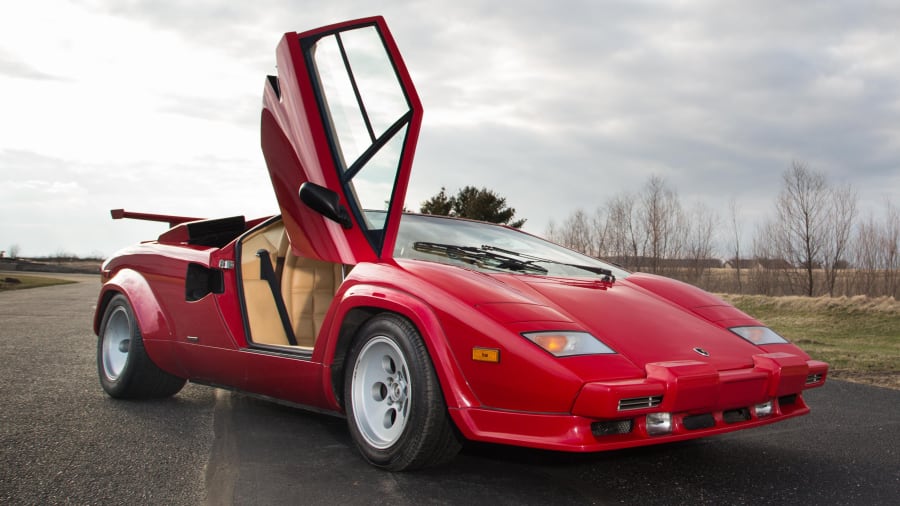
(440, 204)
(473, 203)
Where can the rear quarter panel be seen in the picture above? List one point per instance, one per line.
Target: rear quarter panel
(152, 277)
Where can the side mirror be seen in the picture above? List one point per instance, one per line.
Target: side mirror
(325, 202)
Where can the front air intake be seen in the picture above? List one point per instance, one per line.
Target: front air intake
(612, 428)
(736, 415)
(696, 422)
(650, 401)
(787, 400)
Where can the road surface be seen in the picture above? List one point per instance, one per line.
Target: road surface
(63, 441)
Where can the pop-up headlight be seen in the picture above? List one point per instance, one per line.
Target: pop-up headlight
(564, 344)
(759, 335)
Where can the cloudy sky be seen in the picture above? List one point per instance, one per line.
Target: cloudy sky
(154, 105)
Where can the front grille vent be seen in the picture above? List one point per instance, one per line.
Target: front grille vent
(651, 401)
(814, 378)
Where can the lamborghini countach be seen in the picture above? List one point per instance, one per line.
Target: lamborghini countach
(422, 331)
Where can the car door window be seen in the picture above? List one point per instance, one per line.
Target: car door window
(367, 114)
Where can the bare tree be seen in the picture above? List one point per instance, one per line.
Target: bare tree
(701, 240)
(891, 248)
(600, 226)
(801, 249)
(802, 214)
(553, 232)
(841, 214)
(576, 232)
(867, 256)
(764, 277)
(876, 254)
(663, 223)
(624, 243)
(736, 245)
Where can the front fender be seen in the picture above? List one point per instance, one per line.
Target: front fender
(151, 318)
(379, 298)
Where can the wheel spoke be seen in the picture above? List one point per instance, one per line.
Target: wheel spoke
(377, 413)
(380, 392)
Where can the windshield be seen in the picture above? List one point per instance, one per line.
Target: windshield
(454, 242)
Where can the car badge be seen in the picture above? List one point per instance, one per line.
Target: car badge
(701, 351)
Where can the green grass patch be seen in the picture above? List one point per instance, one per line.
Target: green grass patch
(20, 282)
(858, 336)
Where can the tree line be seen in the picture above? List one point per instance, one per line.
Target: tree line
(813, 243)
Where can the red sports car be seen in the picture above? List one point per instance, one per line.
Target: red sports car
(422, 331)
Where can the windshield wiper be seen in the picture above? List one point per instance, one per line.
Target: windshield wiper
(607, 274)
(479, 257)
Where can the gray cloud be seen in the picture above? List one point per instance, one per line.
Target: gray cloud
(718, 99)
(559, 106)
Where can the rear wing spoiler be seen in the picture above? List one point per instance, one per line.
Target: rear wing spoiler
(198, 231)
(118, 214)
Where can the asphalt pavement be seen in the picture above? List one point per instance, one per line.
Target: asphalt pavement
(63, 441)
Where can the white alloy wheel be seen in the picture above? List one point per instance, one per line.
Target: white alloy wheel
(395, 408)
(125, 369)
(116, 343)
(382, 392)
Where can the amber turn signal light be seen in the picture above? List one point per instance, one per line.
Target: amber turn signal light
(486, 354)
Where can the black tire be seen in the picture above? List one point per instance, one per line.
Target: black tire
(395, 408)
(126, 372)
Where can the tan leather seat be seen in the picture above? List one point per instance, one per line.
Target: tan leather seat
(308, 287)
(262, 313)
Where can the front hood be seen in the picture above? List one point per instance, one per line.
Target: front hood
(644, 318)
(645, 326)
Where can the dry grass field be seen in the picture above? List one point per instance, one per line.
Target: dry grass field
(780, 282)
(858, 336)
(16, 281)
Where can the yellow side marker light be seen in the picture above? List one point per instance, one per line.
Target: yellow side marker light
(486, 355)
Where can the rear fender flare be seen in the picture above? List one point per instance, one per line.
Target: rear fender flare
(371, 300)
(151, 318)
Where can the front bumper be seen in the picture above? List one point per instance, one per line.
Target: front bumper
(701, 400)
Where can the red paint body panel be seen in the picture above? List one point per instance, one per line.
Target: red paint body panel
(672, 350)
(573, 433)
(361, 290)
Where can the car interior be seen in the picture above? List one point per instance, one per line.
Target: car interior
(285, 296)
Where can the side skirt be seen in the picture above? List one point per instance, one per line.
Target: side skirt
(267, 398)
